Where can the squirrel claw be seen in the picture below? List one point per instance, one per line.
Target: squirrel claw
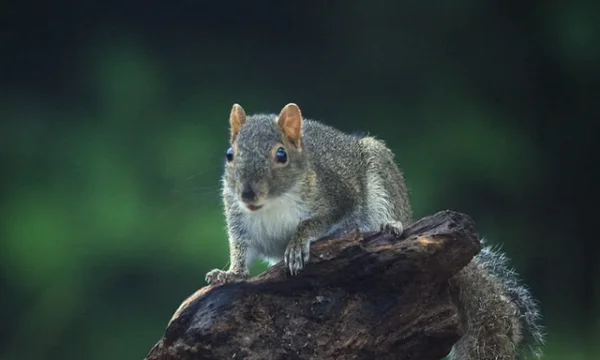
(297, 255)
(395, 228)
(216, 277)
(220, 277)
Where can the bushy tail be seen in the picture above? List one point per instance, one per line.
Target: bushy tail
(499, 317)
(529, 315)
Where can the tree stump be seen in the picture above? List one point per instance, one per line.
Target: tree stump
(361, 296)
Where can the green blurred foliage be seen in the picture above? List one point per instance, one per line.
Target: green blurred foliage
(112, 214)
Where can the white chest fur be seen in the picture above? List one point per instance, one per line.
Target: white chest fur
(270, 229)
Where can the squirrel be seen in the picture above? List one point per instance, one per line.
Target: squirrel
(289, 181)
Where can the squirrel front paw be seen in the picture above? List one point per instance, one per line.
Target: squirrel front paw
(395, 228)
(297, 254)
(220, 277)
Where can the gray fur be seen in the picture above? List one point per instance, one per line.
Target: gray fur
(322, 189)
(499, 317)
(332, 181)
(496, 264)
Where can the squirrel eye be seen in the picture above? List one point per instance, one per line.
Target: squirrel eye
(281, 155)
(229, 154)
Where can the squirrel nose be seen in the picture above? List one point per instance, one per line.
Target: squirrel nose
(248, 195)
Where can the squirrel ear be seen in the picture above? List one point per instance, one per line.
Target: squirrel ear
(290, 122)
(237, 118)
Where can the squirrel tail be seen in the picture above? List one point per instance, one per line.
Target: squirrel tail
(532, 332)
(499, 316)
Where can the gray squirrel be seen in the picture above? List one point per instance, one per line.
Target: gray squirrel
(289, 181)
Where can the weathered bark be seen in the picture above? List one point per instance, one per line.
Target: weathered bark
(362, 296)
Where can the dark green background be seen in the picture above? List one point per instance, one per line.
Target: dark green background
(114, 125)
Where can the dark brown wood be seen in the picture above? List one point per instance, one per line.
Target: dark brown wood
(362, 296)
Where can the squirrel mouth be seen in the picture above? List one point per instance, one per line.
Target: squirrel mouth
(253, 207)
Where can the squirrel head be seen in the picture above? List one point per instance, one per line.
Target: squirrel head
(265, 158)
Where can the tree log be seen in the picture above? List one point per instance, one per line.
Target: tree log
(361, 296)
